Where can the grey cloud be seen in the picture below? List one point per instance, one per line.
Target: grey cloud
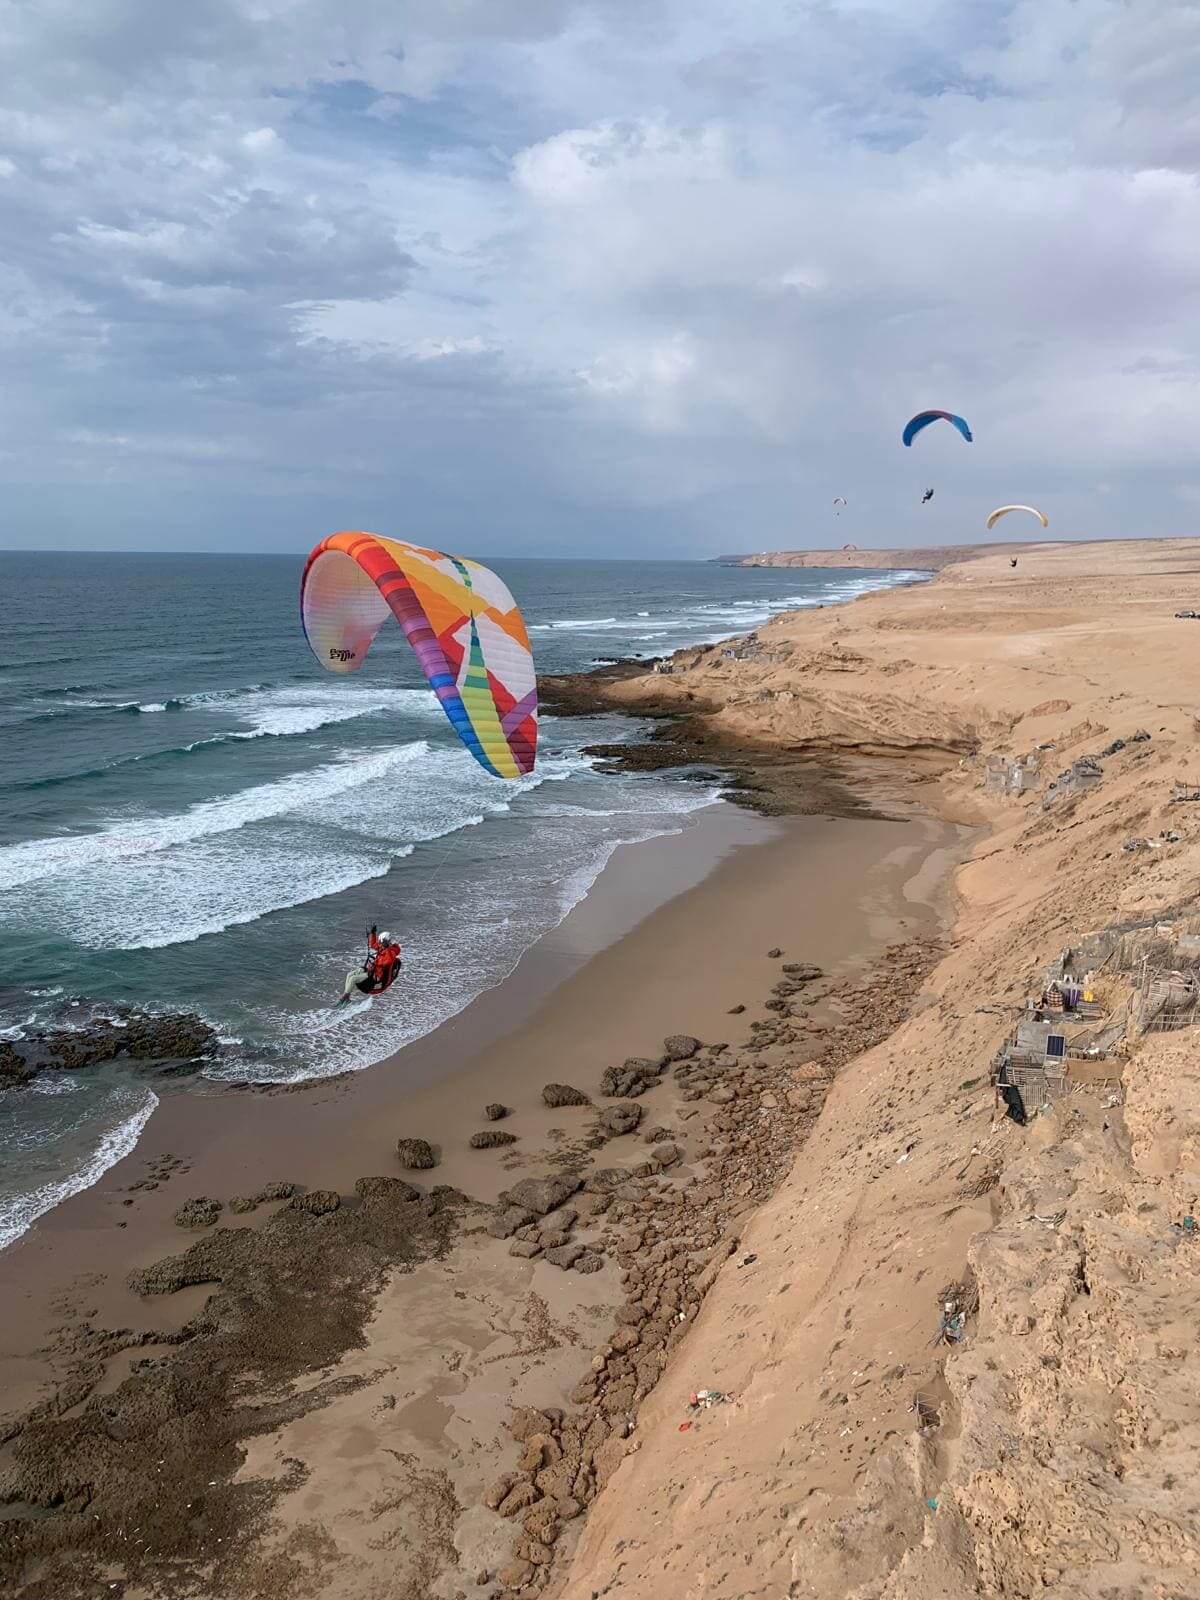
(612, 276)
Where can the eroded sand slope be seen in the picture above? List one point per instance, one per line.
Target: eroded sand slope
(1064, 1456)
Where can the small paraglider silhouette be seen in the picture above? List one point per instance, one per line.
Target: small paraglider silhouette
(848, 547)
(838, 501)
(927, 497)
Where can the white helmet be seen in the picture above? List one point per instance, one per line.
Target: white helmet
(385, 938)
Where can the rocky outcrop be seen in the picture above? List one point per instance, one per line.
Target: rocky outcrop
(394, 1189)
(275, 1191)
(680, 1047)
(318, 1202)
(616, 1120)
(541, 1195)
(172, 1043)
(491, 1139)
(200, 1212)
(416, 1154)
(562, 1094)
(495, 1111)
(633, 1077)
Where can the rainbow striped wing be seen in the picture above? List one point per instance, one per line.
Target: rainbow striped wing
(463, 625)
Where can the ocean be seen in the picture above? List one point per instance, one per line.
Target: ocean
(194, 817)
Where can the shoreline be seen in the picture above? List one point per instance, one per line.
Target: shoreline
(552, 1019)
(766, 1244)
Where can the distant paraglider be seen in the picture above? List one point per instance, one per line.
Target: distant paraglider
(923, 418)
(1003, 511)
(927, 497)
(848, 547)
(464, 626)
(838, 501)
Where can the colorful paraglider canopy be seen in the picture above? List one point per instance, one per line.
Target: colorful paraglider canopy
(463, 625)
(1002, 511)
(923, 418)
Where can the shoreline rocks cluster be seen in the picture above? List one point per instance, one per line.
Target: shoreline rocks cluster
(136, 1486)
(669, 1235)
(174, 1044)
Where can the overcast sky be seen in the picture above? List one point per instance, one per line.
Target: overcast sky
(654, 277)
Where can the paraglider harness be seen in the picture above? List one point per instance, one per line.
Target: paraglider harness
(373, 982)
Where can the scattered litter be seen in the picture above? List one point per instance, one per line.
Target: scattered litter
(951, 1326)
(1167, 836)
(1052, 1221)
(931, 1502)
(684, 1426)
(748, 1260)
(928, 1414)
(705, 1399)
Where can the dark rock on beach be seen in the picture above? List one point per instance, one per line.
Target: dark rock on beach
(200, 1212)
(541, 1195)
(564, 1255)
(416, 1153)
(508, 1219)
(632, 1077)
(495, 1111)
(680, 1047)
(275, 1191)
(385, 1188)
(491, 1139)
(318, 1202)
(616, 1120)
(563, 1094)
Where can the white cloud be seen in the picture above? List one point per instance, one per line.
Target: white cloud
(643, 263)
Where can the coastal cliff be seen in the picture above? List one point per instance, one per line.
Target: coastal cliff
(706, 1258)
(1056, 1450)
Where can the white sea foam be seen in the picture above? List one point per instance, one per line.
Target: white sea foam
(20, 1212)
(38, 860)
(308, 840)
(572, 622)
(511, 908)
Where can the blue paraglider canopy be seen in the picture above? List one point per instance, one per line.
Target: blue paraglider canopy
(924, 418)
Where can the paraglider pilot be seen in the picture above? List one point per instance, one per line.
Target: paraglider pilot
(927, 497)
(378, 972)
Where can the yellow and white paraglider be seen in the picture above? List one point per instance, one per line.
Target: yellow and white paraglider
(464, 626)
(1003, 511)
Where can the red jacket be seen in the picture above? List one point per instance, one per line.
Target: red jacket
(384, 962)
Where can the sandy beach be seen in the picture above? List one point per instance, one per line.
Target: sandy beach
(681, 1335)
(675, 936)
